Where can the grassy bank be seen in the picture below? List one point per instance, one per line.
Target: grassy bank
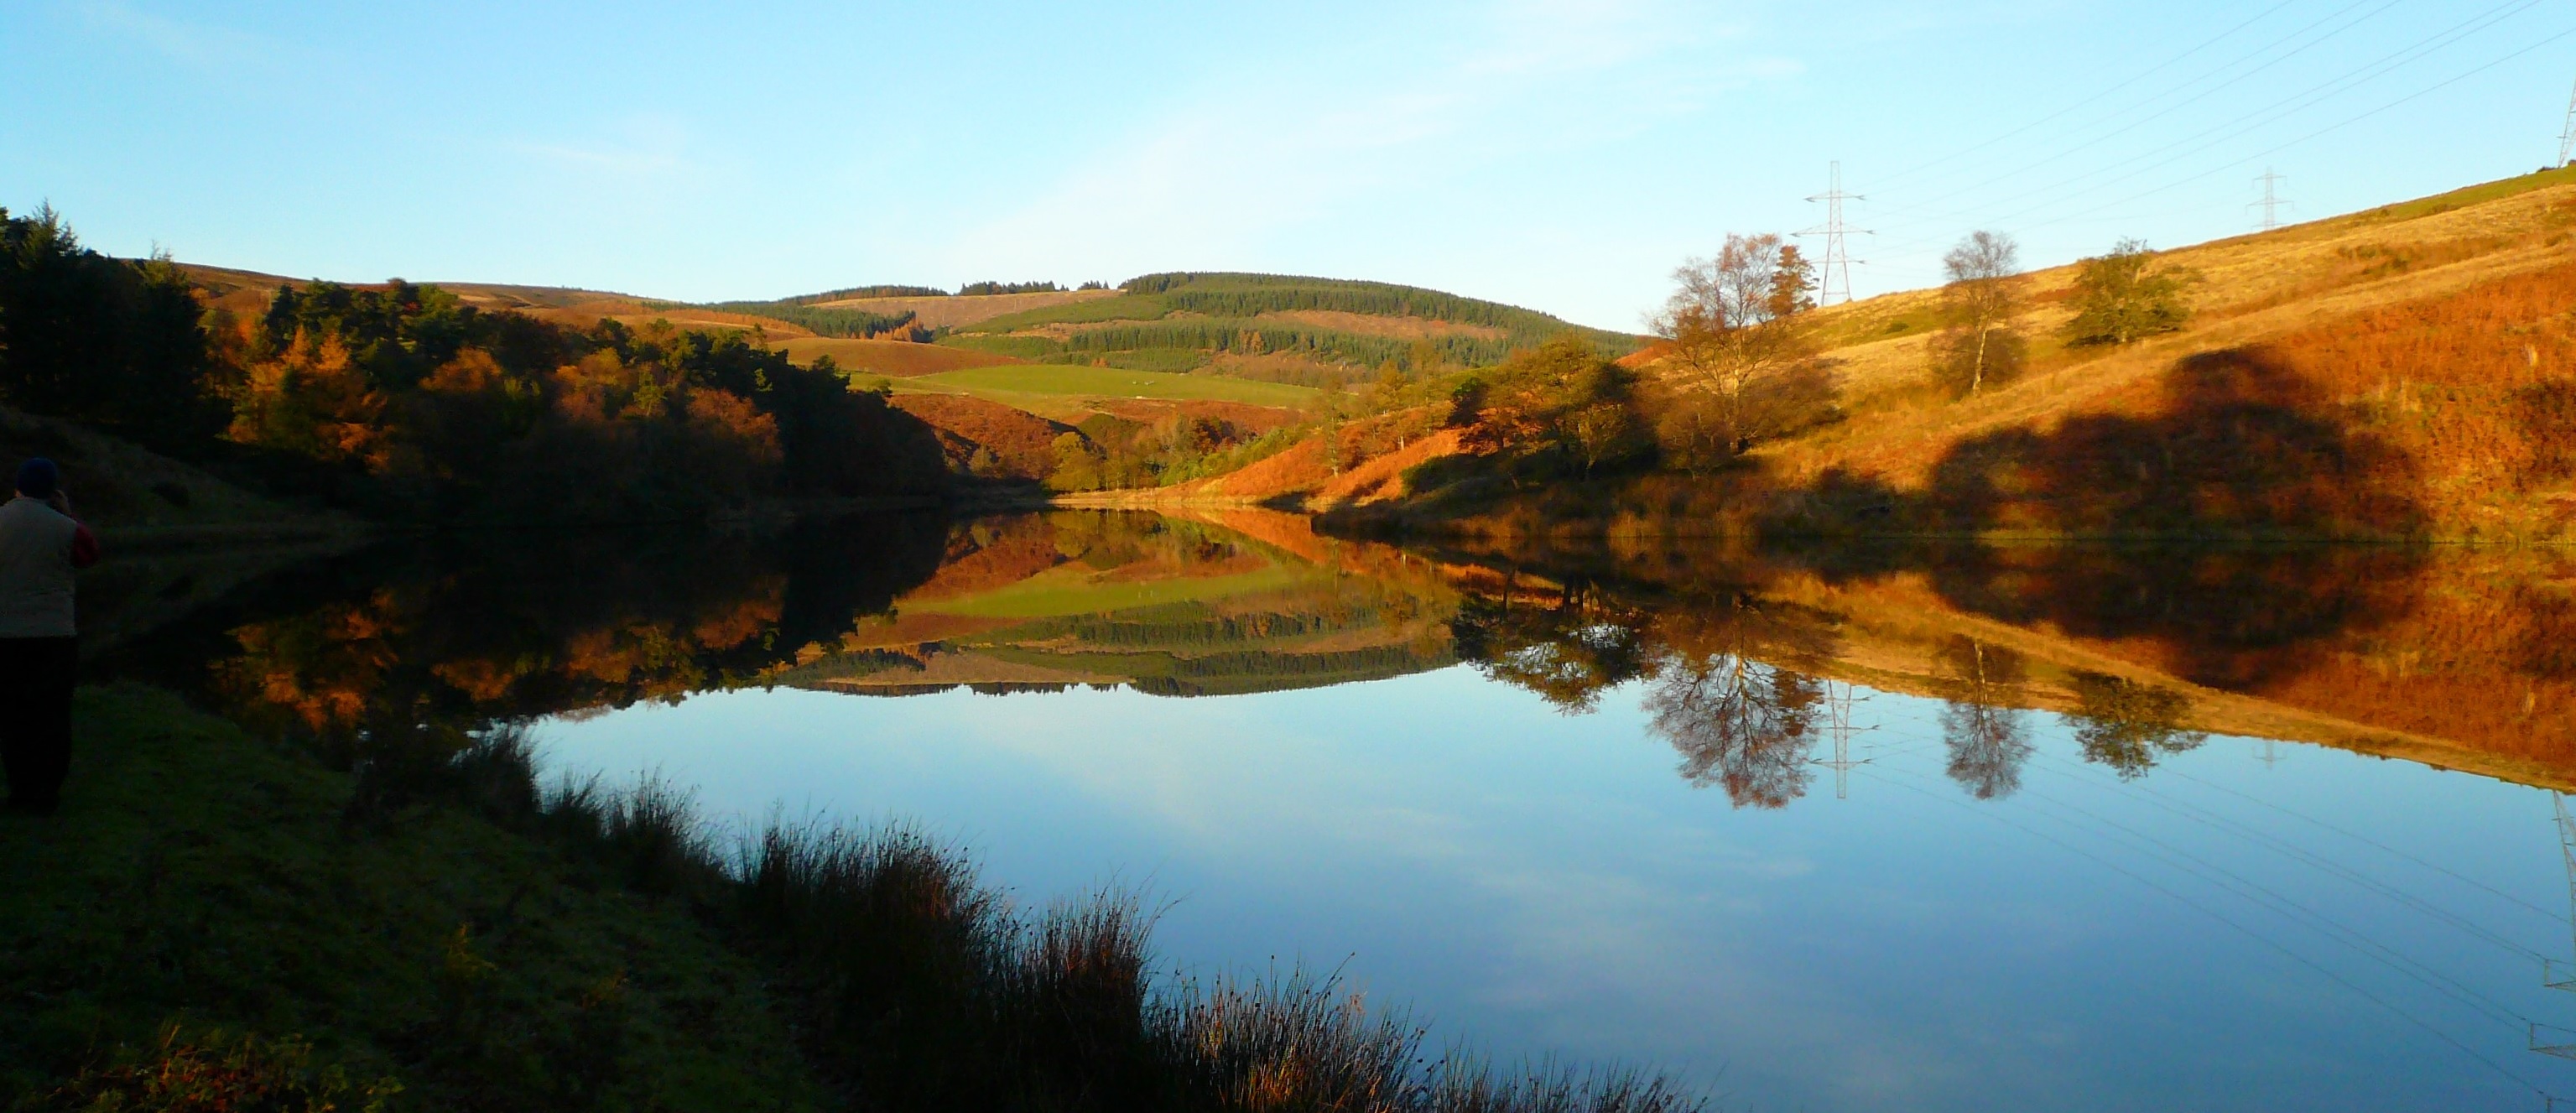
(221, 922)
(205, 879)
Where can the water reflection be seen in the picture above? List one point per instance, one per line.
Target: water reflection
(2023, 734)
(2459, 658)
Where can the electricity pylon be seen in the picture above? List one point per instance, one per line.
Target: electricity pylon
(1836, 265)
(2551, 974)
(2272, 200)
(2545, 1038)
(2567, 134)
(1838, 712)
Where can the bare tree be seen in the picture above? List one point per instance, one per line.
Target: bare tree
(1729, 326)
(1739, 724)
(1979, 302)
(1987, 736)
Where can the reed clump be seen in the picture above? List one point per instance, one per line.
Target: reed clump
(917, 986)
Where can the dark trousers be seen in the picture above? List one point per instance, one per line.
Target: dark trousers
(36, 677)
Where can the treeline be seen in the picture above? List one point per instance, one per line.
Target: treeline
(983, 289)
(106, 342)
(1248, 295)
(403, 402)
(1242, 336)
(851, 292)
(835, 321)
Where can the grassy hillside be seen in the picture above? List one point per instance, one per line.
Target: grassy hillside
(203, 879)
(1170, 378)
(1105, 382)
(891, 358)
(133, 496)
(1330, 321)
(2407, 371)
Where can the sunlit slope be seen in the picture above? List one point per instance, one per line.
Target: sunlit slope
(1007, 383)
(1265, 325)
(2397, 372)
(2430, 337)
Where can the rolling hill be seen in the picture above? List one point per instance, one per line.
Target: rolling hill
(1164, 377)
(2407, 371)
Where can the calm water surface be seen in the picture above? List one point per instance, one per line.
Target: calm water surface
(1895, 831)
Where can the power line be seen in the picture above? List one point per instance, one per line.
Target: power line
(2243, 123)
(2052, 117)
(2214, 914)
(2219, 822)
(2063, 152)
(2367, 841)
(2338, 125)
(2064, 192)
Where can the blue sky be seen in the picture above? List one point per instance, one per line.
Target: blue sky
(1563, 156)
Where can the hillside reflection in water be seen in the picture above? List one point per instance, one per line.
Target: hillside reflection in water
(1918, 828)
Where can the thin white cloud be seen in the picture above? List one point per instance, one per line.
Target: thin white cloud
(196, 45)
(636, 148)
(1212, 184)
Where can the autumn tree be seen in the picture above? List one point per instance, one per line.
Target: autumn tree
(2124, 295)
(1559, 399)
(1978, 304)
(1732, 341)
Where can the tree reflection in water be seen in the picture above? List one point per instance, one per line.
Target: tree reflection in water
(2129, 726)
(1988, 736)
(1743, 726)
(1722, 689)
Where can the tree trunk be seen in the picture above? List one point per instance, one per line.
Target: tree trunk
(1977, 373)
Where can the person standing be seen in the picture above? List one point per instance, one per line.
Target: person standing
(40, 546)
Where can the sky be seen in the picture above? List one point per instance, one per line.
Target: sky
(1560, 155)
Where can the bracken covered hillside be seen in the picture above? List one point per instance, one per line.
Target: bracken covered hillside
(2409, 371)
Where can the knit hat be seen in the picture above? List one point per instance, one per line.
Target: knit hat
(38, 477)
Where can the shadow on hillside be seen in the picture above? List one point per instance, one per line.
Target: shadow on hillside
(2243, 445)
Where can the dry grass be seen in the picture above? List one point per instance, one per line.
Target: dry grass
(952, 312)
(1401, 328)
(2426, 324)
(892, 358)
(1022, 443)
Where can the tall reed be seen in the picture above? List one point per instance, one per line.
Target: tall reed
(918, 987)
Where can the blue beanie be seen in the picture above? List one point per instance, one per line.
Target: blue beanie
(38, 477)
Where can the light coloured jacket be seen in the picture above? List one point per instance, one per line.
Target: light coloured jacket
(39, 548)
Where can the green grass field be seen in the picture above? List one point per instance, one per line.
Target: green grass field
(1125, 307)
(1108, 382)
(1073, 589)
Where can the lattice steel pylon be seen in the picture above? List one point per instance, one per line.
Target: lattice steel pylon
(2272, 199)
(1836, 265)
(2567, 134)
(1838, 716)
(2551, 973)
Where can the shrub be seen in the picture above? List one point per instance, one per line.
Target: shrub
(2123, 296)
(219, 1072)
